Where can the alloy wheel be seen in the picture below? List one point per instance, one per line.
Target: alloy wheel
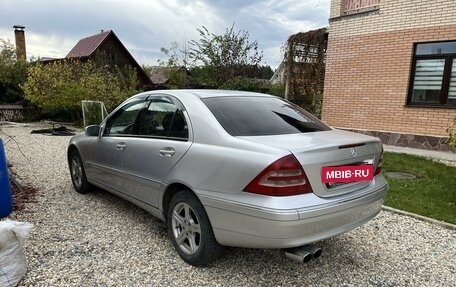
(76, 172)
(186, 228)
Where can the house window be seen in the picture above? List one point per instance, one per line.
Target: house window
(357, 6)
(433, 79)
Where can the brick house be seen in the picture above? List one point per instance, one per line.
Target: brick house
(391, 70)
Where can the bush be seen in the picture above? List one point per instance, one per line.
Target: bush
(277, 89)
(242, 84)
(60, 86)
(13, 73)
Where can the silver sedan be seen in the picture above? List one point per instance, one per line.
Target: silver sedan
(229, 168)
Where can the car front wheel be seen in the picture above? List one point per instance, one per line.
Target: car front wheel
(190, 230)
(77, 172)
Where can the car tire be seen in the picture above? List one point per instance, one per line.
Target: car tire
(77, 172)
(190, 230)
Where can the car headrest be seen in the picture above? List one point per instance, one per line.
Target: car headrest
(166, 122)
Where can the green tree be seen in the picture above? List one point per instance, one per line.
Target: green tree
(228, 55)
(265, 72)
(277, 89)
(214, 61)
(178, 77)
(176, 66)
(13, 73)
(63, 84)
(203, 77)
(148, 69)
(178, 55)
(242, 84)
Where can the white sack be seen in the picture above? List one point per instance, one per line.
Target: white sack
(12, 258)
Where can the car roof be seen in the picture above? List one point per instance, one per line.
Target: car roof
(200, 93)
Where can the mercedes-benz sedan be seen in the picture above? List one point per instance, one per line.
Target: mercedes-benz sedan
(228, 168)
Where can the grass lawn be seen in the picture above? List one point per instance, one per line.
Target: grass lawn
(431, 194)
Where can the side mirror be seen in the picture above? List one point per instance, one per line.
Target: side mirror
(92, 131)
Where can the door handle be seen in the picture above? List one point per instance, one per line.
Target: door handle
(121, 146)
(167, 151)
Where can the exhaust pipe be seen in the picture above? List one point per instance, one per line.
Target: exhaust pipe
(298, 255)
(301, 254)
(316, 251)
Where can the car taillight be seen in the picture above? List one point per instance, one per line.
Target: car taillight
(283, 177)
(380, 163)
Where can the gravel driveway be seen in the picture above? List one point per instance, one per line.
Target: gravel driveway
(101, 240)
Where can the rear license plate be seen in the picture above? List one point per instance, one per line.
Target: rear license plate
(347, 173)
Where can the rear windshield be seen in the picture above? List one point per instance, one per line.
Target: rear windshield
(261, 116)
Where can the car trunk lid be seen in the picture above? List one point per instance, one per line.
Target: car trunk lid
(327, 149)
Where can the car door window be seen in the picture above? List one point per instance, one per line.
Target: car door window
(125, 121)
(163, 119)
(179, 128)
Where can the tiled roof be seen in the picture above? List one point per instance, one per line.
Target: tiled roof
(158, 76)
(159, 79)
(85, 47)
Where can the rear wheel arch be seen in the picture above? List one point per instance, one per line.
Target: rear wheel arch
(170, 191)
(189, 227)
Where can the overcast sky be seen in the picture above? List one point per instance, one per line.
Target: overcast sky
(53, 27)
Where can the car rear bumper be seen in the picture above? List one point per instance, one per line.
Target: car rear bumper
(242, 226)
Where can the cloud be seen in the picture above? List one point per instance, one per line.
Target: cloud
(42, 45)
(53, 27)
(290, 15)
(271, 22)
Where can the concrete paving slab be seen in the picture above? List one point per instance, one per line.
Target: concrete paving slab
(440, 155)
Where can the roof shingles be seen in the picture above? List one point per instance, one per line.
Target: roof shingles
(85, 47)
